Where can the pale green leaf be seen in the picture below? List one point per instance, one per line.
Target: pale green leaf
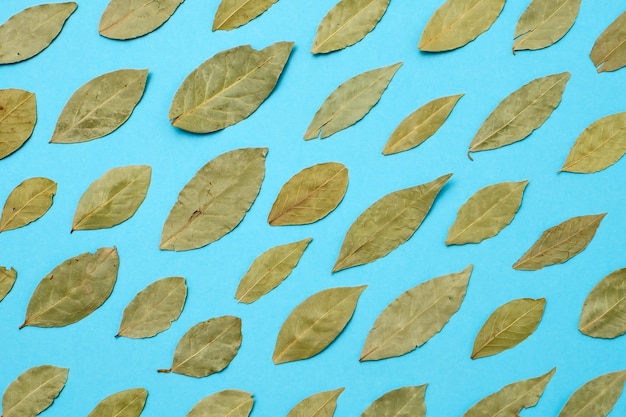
(322, 404)
(596, 398)
(128, 19)
(27, 202)
(18, 115)
(128, 403)
(544, 22)
(609, 50)
(604, 311)
(227, 403)
(33, 391)
(234, 13)
(401, 402)
(7, 280)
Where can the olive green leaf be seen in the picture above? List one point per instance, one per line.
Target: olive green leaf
(269, 270)
(387, 224)
(310, 195)
(27, 202)
(599, 146)
(32, 30)
(597, 397)
(350, 102)
(544, 22)
(519, 114)
(7, 280)
(228, 87)
(100, 106)
(458, 22)
(18, 115)
(322, 404)
(511, 399)
(420, 125)
(153, 309)
(227, 403)
(73, 290)
(215, 200)
(128, 19)
(486, 213)
(207, 348)
(604, 311)
(401, 402)
(128, 403)
(347, 23)
(315, 323)
(609, 50)
(234, 13)
(560, 243)
(33, 391)
(112, 198)
(508, 326)
(415, 316)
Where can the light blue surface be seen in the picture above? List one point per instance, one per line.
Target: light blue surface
(485, 70)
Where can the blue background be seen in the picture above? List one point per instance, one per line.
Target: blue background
(485, 70)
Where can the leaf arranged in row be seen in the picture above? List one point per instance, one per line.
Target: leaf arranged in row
(560, 243)
(320, 404)
(310, 195)
(458, 22)
(347, 23)
(128, 403)
(401, 402)
(420, 125)
(231, 14)
(315, 323)
(153, 309)
(207, 348)
(33, 391)
(124, 19)
(508, 326)
(32, 30)
(511, 399)
(270, 269)
(520, 113)
(597, 397)
(30, 200)
(18, 115)
(486, 213)
(387, 224)
(350, 102)
(73, 290)
(416, 316)
(215, 200)
(7, 280)
(604, 310)
(609, 50)
(227, 403)
(228, 87)
(599, 146)
(544, 22)
(100, 106)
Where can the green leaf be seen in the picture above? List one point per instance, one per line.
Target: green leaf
(401, 402)
(73, 290)
(387, 224)
(215, 200)
(322, 404)
(7, 280)
(227, 403)
(604, 311)
(33, 391)
(128, 19)
(597, 397)
(544, 22)
(609, 50)
(228, 87)
(18, 115)
(27, 202)
(128, 403)
(234, 13)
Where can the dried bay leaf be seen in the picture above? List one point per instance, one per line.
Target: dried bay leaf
(347, 23)
(215, 200)
(544, 22)
(112, 198)
(228, 87)
(100, 106)
(315, 323)
(387, 224)
(508, 326)
(511, 399)
(18, 115)
(207, 348)
(322, 404)
(486, 213)
(310, 195)
(609, 50)
(269, 270)
(128, 19)
(33, 391)
(73, 290)
(604, 311)
(401, 402)
(153, 309)
(128, 403)
(599, 146)
(458, 22)
(560, 243)
(415, 316)
(420, 125)
(350, 102)
(27, 202)
(32, 30)
(231, 14)
(7, 280)
(227, 403)
(597, 397)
